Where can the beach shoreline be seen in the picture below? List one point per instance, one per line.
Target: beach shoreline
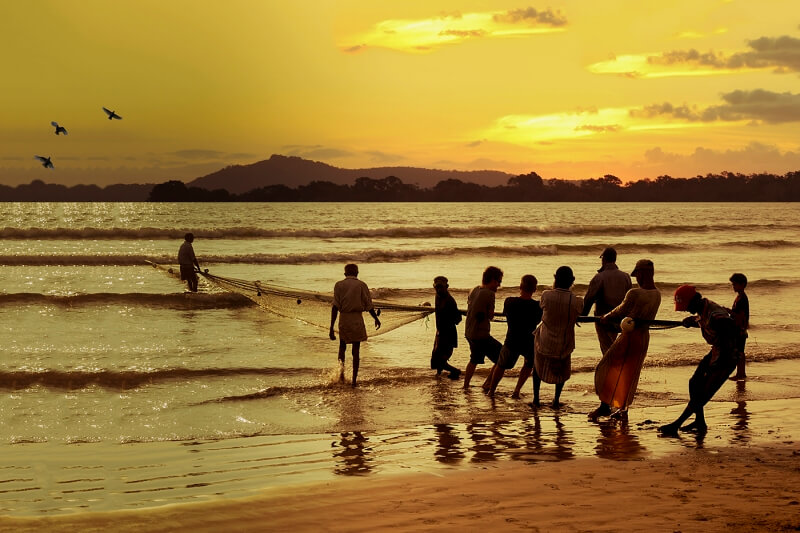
(741, 476)
(746, 489)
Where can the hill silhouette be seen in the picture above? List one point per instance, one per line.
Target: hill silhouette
(295, 171)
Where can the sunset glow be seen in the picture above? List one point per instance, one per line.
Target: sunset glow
(568, 89)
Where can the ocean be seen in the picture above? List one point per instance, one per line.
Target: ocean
(111, 374)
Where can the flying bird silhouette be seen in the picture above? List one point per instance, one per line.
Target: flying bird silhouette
(46, 163)
(111, 114)
(59, 129)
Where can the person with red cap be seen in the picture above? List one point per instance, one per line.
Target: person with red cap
(721, 332)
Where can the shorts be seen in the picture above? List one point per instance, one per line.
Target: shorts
(709, 377)
(480, 349)
(442, 351)
(187, 272)
(509, 357)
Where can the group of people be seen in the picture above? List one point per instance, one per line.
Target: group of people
(543, 333)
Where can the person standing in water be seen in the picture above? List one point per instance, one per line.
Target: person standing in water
(523, 314)
(721, 332)
(480, 311)
(617, 375)
(606, 290)
(554, 339)
(351, 298)
(740, 312)
(447, 318)
(188, 262)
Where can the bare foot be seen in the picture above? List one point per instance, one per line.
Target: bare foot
(695, 427)
(515, 396)
(669, 429)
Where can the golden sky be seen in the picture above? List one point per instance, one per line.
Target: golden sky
(568, 89)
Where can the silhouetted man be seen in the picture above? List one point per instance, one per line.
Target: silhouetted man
(188, 262)
(606, 291)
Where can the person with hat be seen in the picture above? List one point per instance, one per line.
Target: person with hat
(721, 332)
(187, 262)
(617, 375)
(606, 290)
(447, 318)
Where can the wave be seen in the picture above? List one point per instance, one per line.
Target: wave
(381, 255)
(225, 300)
(250, 232)
(129, 379)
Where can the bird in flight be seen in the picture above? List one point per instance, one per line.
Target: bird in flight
(111, 114)
(59, 129)
(46, 163)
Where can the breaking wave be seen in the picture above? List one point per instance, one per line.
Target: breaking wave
(249, 232)
(224, 300)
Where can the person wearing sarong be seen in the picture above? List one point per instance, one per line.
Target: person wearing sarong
(350, 299)
(617, 375)
(721, 332)
(554, 338)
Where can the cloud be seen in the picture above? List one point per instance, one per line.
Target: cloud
(424, 35)
(757, 105)
(530, 14)
(383, 157)
(752, 158)
(599, 128)
(316, 152)
(781, 54)
(201, 154)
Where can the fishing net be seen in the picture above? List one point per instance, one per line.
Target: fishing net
(314, 308)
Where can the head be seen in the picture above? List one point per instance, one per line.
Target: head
(528, 284)
(564, 278)
(351, 270)
(189, 237)
(609, 255)
(441, 284)
(643, 271)
(687, 299)
(739, 282)
(492, 277)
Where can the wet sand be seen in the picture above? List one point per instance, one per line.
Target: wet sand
(550, 472)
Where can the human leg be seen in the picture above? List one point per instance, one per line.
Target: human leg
(342, 351)
(468, 373)
(524, 374)
(559, 388)
(356, 360)
(537, 383)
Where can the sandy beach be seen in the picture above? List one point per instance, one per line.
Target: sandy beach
(720, 482)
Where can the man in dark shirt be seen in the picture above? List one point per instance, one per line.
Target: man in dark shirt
(187, 262)
(447, 317)
(607, 289)
(523, 314)
(720, 331)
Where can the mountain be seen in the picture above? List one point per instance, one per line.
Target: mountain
(295, 171)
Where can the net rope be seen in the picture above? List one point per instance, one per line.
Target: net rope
(314, 308)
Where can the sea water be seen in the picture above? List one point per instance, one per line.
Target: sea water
(96, 346)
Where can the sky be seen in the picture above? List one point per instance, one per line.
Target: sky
(569, 89)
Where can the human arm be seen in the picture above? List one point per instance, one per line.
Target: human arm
(592, 295)
(334, 314)
(620, 311)
(374, 315)
(690, 322)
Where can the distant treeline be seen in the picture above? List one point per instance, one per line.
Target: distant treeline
(39, 191)
(725, 187)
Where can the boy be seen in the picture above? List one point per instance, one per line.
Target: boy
(740, 312)
(523, 314)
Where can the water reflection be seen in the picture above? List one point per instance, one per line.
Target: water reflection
(448, 445)
(741, 425)
(352, 454)
(617, 442)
